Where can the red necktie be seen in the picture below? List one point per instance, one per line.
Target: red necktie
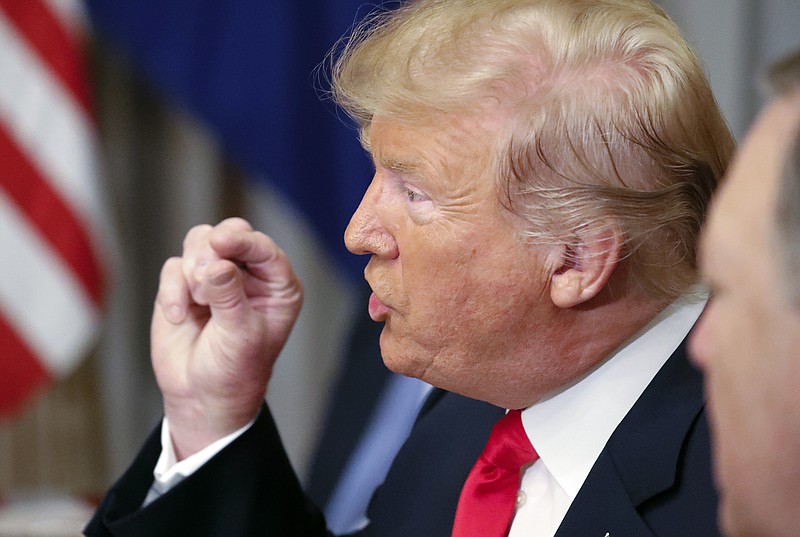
(486, 504)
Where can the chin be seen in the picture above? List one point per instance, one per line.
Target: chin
(401, 367)
(398, 362)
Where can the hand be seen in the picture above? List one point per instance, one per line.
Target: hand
(222, 315)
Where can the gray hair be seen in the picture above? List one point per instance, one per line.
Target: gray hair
(783, 79)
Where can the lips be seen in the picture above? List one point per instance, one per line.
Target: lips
(377, 309)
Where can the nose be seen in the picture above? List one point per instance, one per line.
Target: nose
(367, 233)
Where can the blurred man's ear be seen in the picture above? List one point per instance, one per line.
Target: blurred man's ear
(585, 266)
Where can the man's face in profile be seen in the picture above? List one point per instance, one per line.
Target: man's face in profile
(748, 341)
(464, 298)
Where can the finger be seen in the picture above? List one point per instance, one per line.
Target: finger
(235, 239)
(195, 244)
(173, 292)
(223, 288)
(197, 255)
(235, 224)
(228, 238)
(257, 252)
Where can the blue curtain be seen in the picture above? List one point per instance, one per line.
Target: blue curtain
(248, 69)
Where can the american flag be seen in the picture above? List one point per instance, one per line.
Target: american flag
(51, 217)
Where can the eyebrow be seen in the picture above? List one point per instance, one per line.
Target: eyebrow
(399, 165)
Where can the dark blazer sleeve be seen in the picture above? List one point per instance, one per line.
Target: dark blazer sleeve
(248, 489)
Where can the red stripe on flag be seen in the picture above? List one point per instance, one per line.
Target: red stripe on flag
(48, 213)
(45, 34)
(20, 372)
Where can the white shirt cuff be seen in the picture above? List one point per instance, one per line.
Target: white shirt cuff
(168, 471)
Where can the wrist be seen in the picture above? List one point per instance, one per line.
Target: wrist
(194, 425)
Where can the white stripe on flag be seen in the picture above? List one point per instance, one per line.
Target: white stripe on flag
(49, 126)
(40, 297)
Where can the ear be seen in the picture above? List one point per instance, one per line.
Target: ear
(584, 267)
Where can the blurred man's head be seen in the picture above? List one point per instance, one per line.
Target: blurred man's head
(550, 162)
(749, 338)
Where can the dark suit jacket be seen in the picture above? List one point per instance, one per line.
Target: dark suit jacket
(653, 477)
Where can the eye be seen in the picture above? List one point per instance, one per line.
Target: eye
(414, 196)
(418, 206)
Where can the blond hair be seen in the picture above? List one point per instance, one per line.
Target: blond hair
(613, 121)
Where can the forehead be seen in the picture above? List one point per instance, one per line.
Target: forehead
(451, 131)
(389, 135)
(437, 145)
(742, 219)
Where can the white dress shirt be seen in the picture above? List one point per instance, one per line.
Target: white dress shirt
(571, 428)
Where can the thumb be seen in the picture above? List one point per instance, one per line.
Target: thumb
(224, 290)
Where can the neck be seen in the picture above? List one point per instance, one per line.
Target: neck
(586, 337)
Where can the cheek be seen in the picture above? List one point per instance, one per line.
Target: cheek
(735, 336)
(469, 293)
(743, 388)
(437, 270)
(461, 283)
(453, 274)
(714, 347)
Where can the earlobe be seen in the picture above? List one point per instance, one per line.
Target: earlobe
(584, 267)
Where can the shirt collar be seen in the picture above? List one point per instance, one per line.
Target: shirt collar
(570, 429)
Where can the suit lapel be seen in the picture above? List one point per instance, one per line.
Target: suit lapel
(642, 457)
(603, 507)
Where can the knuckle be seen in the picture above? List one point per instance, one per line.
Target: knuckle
(236, 222)
(170, 266)
(195, 234)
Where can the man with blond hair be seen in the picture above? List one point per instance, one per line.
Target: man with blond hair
(748, 338)
(542, 168)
